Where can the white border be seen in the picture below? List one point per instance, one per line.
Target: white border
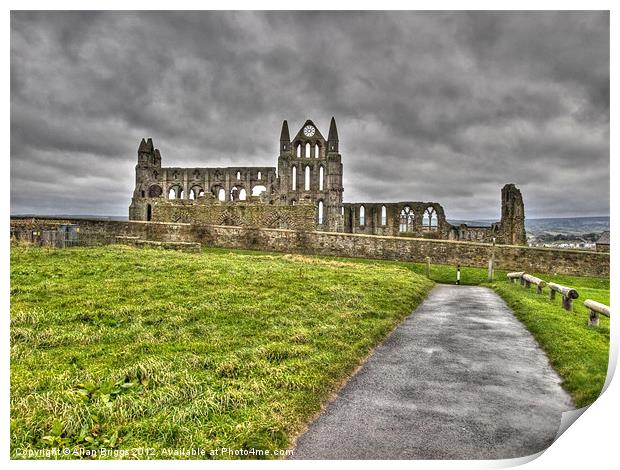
(591, 443)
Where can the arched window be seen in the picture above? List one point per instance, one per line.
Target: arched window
(238, 175)
(155, 191)
(293, 202)
(321, 176)
(221, 195)
(320, 212)
(307, 150)
(172, 194)
(148, 212)
(316, 151)
(298, 150)
(429, 219)
(342, 210)
(383, 215)
(259, 188)
(407, 219)
(181, 194)
(362, 215)
(234, 193)
(259, 175)
(195, 192)
(307, 179)
(294, 179)
(242, 194)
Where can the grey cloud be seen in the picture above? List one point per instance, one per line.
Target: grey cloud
(444, 106)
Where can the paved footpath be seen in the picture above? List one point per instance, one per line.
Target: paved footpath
(460, 378)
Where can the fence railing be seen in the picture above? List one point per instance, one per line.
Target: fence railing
(528, 279)
(568, 294)
(595, 308)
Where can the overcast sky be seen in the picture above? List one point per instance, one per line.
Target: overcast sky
(444, 107)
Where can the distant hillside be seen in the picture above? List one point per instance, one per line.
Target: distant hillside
(553, 225)
(567, 225)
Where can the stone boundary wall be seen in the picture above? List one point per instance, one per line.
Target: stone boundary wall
(509, 257)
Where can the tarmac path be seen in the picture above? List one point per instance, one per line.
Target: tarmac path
(460, 378)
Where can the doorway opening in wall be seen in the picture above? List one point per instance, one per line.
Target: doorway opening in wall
(148, 212)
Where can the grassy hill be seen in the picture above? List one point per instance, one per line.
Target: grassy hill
(135, 348)
(157, 350)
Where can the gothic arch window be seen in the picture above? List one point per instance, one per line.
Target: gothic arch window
(317, 152)
(259, 175)
(362, 216)
(238, 175)
(307, 178)
(195, 192)
(293, 202)
(235, 193)
(221, 195)
(298, 150)
(258, 189)
(181, 194)
(175, 192)
(321, 177)
(155, 191)
(383, 215)
(320, 213)
(407, 219)
(307, 150)
(294, 179)
(429, 219)
(242, 194)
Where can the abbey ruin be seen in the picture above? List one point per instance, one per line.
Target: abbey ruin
(304, 192)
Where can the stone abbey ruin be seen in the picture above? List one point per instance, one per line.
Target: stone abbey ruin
(304, 192)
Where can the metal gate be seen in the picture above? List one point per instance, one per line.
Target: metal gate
(67, 235)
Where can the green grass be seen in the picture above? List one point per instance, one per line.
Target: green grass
(578, 352)
(126, 348)
(139, 348)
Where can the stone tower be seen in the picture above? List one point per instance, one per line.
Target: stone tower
(147, 168)
(512, 224)
(310, 172)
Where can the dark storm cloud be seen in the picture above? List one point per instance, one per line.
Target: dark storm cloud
(430, 106)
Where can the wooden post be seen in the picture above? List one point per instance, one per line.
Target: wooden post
(551, 294)
(458, 274)
(594, 318)
(568, 294)
(491, 262)
(596, 309)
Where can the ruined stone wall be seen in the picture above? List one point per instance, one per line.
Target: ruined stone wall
(544, 260)
(246, 214)
(408, 219)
